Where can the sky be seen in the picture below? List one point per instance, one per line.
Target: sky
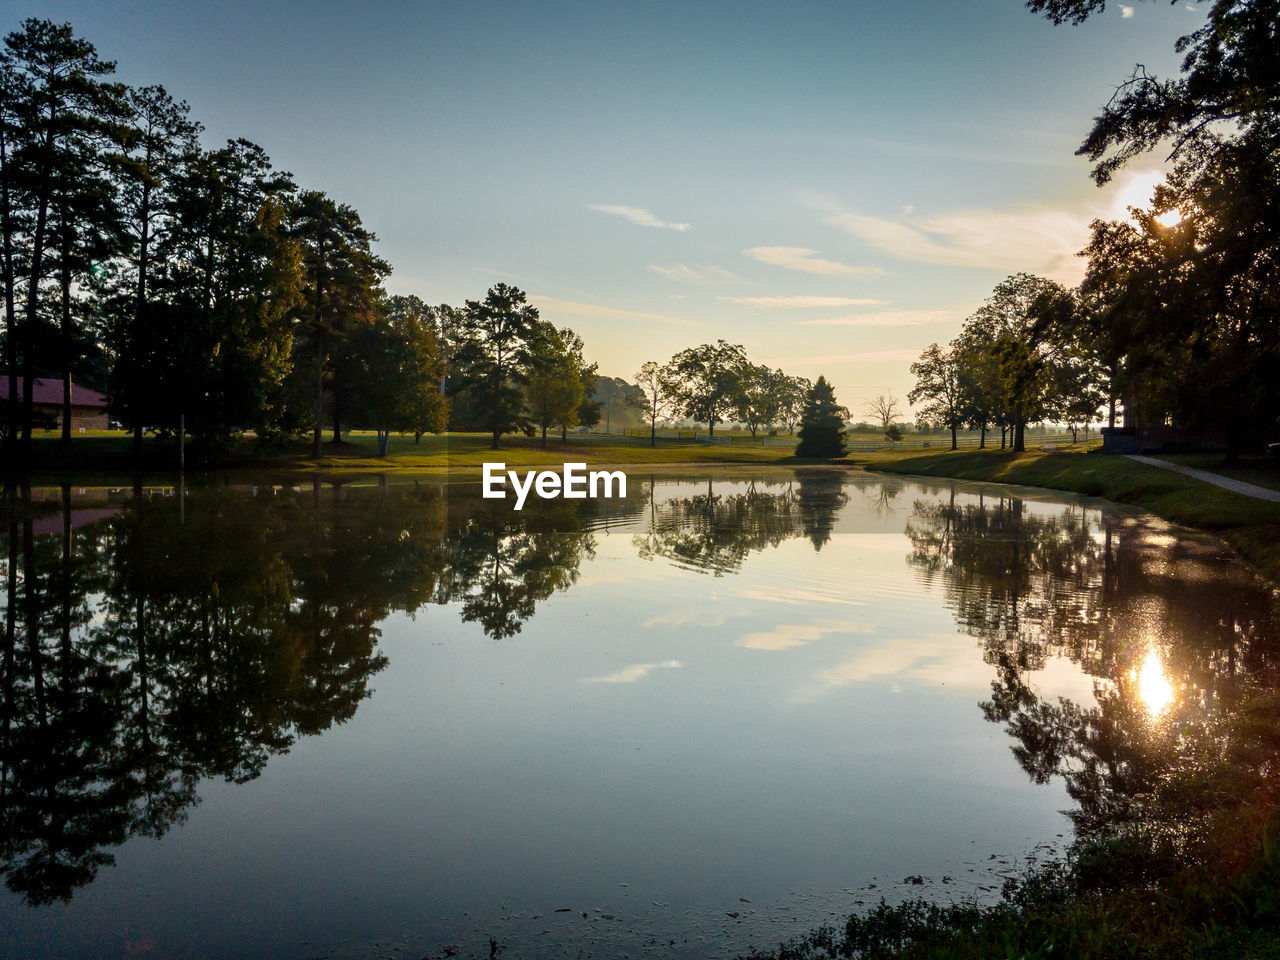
(833, 185)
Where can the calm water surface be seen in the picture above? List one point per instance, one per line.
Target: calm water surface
(389, 720)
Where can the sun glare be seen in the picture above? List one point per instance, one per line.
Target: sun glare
(1170, 218)
(1154, 688)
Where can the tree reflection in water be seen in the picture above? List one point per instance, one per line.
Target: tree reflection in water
(149, 644)
(1182, 645)
(152, 641)
(714, 533)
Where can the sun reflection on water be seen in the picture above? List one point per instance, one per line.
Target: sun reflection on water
(1154, 689)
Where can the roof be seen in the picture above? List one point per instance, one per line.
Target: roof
(48, 391)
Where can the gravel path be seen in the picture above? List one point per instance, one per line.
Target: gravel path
(1217, 479)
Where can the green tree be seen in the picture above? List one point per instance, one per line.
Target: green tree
(821, 424)
(1229, 89)
(498, 336)
(661, 389)
(709, 375)
(760, 397)
(218, 329)
(399, 369)
(342, 277)
(554, 386)
(794, 391)
(939, 388)
(1027, 316)
(63, 112)
(160, 137)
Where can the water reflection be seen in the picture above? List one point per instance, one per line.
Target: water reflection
(715, 532)
(149, 644)
(1176, 635)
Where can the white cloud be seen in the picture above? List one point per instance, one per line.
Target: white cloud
(950, 659)
(637, 671)
(556, 305)
(806, 261)
(790, 302)
(788, 635)
(696, 274)
(1039, 239)
(1126, 12)
(696, 617)
(638, 216)
(1036, 238)
(888, 318)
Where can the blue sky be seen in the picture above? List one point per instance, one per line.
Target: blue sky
(834, 185)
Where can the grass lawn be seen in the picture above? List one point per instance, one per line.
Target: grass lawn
(106, 457)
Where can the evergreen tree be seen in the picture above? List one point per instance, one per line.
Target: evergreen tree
(821, 424)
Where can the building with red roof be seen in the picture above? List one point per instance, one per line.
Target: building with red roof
(88, 407)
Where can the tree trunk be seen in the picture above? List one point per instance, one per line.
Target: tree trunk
(33, 292)
(10, 313)
(495, 440)
(384, 438)
(337, 407)
(1019, 436)
(982, 439)
(65, 277)
(953, 438)
(544, 436)
(653, 433)
(317, 436)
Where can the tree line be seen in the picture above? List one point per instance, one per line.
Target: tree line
(1177, 319)
(205, 283)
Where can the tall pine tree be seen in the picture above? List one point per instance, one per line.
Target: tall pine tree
(821, 424)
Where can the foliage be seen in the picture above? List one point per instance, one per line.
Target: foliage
(661, 394)
(709, 377)
(554, 390)
(499, 338)
(821, 424)
(940, 387)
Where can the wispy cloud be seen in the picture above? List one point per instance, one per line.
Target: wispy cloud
(1039, 239)
(788, 635)
(638, 216)
(1126, 12)
(697, 274)
(887, 318)
(806, 261)
(800, 302)
(696, 617)
(637, 671)
(904, 355)
(556, 305)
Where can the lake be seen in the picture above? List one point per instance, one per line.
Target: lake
(399, 720)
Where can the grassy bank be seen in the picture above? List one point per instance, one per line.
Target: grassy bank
(108, 458)
(1251, 527)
